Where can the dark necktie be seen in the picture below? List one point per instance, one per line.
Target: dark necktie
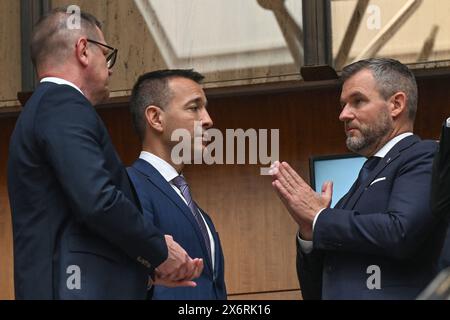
(182, 185)
(367, 168)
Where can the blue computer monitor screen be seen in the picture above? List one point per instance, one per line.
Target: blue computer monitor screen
(341, 169)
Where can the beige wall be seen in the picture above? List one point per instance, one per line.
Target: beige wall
(410, 38)
(229, 48)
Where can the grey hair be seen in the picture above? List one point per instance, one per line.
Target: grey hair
(391, 76)
(52, 38)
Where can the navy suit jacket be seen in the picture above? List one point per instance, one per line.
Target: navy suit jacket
(385, 223)
(162, 205)
(78, 231)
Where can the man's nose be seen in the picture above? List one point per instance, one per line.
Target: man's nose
(206, 120)
(346, 114)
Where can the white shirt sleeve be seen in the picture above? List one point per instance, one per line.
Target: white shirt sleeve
(305, 245)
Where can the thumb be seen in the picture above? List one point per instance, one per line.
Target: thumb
(327, 192)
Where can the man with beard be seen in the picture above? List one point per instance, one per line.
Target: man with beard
(381, 240)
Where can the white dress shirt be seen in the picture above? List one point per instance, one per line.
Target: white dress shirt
(169, 173)
(61, 81)
(307, 246)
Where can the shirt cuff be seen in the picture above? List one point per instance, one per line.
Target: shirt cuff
(307, 246)
(315, 218)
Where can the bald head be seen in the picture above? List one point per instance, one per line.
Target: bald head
(53, 41)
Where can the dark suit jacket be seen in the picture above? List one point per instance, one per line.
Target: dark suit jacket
(162, 205)
(440, 190)
(387, 224)
(78, 233)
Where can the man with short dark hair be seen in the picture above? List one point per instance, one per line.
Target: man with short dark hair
(380, 241)
(163, 102)
(78, 232)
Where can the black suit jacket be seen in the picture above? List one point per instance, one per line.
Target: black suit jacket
(440, 192)
(78, 233)
(384, 224)
(440, 195)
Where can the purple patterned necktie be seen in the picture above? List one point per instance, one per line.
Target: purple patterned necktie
(182, 185)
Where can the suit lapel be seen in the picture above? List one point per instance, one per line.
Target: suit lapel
(217, 249)
(353, 195)
(343, 201)
(158, 181)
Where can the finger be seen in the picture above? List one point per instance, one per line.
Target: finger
(293, 174)
(199, 269)
(186, 283)
(286, 199)
(191, 264)
(286, 181)
(282, 192)
(190, 275)
(173, 284)
(327, 192)
(179, 274)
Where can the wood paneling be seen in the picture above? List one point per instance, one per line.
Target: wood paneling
(6, 248)
(10, 49)
(258, 235)
(137, 49)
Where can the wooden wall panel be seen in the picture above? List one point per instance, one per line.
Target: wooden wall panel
(137, 49)
(258, 235)
(10, 83)
(6, 253)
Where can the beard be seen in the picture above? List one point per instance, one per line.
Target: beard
(370, 133)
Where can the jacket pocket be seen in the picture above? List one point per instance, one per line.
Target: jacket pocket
(93, 245)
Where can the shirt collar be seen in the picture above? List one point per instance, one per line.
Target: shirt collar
(388, 146)
(61, 81)
(164, 168)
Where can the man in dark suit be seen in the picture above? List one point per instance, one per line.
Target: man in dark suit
(78, 232)
(440, 195)
(381, 240)
(163, 102)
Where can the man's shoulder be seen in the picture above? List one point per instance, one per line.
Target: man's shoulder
(420, 152)
(61, 94)
(425, 146)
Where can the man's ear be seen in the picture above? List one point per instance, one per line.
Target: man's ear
(81, 51)
(153, 116)
(398, 104)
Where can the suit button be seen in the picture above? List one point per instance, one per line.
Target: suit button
(144, 262)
